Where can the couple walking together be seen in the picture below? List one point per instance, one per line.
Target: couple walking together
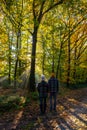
(52, 87)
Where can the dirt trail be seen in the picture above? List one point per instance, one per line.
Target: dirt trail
(71, 115)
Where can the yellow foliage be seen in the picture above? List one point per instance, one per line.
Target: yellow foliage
(3, 35)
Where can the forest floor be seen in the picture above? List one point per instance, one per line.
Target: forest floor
(71, 115)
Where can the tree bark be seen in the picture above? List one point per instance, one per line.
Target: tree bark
(69, 60)
(43, 60)
(59, 56)
(9, 75)
(31, 83)
(53, 54)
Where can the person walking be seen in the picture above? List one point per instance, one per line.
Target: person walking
(43, 93)
(53, 90)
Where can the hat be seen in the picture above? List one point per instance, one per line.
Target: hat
(42, 77)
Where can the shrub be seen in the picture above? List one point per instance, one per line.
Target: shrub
(34, 95)
(8, 103)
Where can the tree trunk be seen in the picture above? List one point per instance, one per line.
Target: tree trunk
(59, 57)
(44, 55)
(43, 62)
(31, 83)
(9, 75)
(68, 69)
(74, 71)
(58, 65)
(16, 62)
(19, 42)
(15, 72)
(20, 25)
(53, 53)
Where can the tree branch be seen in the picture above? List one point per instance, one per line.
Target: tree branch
(41, 10)
(51, 7)
(81, 51)
(30, 32)
(34, 9)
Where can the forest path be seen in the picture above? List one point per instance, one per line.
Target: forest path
(71, 115)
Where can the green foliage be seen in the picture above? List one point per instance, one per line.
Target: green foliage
(9, 3)
(27, 101)
(5, 83)
(33, 95)
(8, 103)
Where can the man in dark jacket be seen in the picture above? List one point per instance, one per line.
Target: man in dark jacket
(53, 90)
(43, 92)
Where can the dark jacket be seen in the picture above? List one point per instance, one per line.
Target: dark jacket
(53, 84)
(42, 89)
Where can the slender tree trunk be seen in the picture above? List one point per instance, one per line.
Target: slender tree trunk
(43, 64)
(43, 61)
(9, 75)
(10, 60)
(16, 62)
(15, 72)
(27, 53)
(68, 69)
(20, 24)
(9, 56)
(59, 57)
(74, 71)
(53, 53)
(19, 42)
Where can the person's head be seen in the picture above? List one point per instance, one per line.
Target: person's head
(42, 77)
(53, 74)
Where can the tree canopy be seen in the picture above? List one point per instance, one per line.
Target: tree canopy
(42, 36)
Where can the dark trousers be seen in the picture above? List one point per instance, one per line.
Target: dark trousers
(42, 104)
(53, 96)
